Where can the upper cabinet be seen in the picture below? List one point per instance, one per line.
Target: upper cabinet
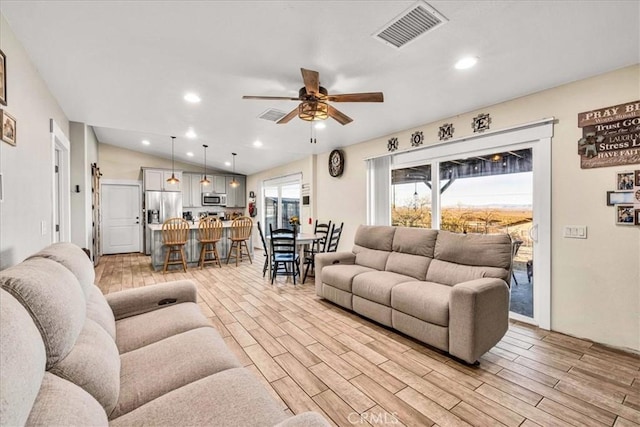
(217, 184)
(191, 190)
(236, 196)
(156, 180)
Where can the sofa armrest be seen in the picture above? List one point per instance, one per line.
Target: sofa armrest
(478, 317)
(329, 258)
(306, 419)
(132, 302)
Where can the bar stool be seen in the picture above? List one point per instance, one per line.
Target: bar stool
(175, 233)
(239, 233)
(209, 234)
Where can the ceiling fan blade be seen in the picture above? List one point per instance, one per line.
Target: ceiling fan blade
(340, 117)
(288, 117)
(358, 97)
(311, 81)
(274, 98)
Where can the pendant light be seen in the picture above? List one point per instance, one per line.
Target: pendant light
(173, 179)
(234, 183)
(204, 180)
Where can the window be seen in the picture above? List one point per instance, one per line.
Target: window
(281, 201)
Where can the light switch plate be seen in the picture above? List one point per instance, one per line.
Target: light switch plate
(574, 232)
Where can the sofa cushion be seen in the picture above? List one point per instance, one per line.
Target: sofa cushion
(491, 250)
(137, 331)
(376, 285)
(341, 275)
(371, 258)
(378, 237)
(73, 258)
(93, 364)
(156, 369)
(415, 241)
(62, 403)
(54, 299)
(411, 265)
(233, 397)
(424, 300)
(22, 361)
(449, 273)
(99, 311)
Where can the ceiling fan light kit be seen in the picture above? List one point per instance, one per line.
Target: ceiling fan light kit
(314, 105)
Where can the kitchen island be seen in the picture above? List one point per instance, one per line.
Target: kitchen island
(192, 248)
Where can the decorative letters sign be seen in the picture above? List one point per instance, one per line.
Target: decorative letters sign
(446, 131)
(610, 136)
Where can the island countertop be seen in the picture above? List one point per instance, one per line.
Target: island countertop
(192, 225)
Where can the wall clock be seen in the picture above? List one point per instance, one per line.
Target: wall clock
(336, 163)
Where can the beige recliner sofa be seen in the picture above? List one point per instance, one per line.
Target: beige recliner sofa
(145, 356)
(448, 290)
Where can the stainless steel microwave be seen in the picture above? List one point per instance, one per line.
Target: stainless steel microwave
(214, 199)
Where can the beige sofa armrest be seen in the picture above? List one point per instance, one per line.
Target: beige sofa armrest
(306, 419)
(132, 302)
(478, 317)
(330, 258)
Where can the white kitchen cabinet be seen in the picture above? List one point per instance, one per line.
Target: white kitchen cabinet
(217, 185)
(186, 191)
(195, 199)
(156, 180)
(236, 197)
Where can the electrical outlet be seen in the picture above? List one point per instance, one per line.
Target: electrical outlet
(574, 232)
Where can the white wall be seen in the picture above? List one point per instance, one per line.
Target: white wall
(595, 283)
(27, 168)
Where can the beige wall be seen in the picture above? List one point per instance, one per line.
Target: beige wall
(120, 163)
(27, 169)
(595, 292)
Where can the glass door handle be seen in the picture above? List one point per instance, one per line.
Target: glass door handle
(533, 233)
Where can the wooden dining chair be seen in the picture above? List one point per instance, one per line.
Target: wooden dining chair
(319, 229)
(334, 238)
(239, 234)
(264, 247)
(175, 233)
(209, 234)
(284, 253)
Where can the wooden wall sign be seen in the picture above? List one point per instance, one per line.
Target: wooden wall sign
(610, 136)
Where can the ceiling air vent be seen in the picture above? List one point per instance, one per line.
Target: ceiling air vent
(272, 115)
(410, 24)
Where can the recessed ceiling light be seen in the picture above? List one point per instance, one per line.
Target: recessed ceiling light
(190, 154)
(192, 97)
(257, 143)
(191, 134)
(145, 142)
(321, 125)
(466, 62)
(227, 163)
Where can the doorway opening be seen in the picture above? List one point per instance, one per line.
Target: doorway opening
(61, 186)
(282, 201)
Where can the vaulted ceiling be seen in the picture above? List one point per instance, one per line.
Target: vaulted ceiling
(124, 67)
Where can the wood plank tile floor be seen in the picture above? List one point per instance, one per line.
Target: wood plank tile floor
(313, 355)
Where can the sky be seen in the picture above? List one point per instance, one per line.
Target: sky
(509, 189)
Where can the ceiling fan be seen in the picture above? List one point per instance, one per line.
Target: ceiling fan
(315, 98)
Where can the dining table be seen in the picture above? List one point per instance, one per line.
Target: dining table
(302, 241)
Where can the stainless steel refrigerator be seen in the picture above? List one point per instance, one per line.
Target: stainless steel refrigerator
(168, 203)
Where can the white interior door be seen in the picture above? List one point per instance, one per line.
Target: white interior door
(120, 218)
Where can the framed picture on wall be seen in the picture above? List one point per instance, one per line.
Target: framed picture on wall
(3, 79)
(625, 215)
(625, 180)
(8, 128)
(637, 216)
(619, 197)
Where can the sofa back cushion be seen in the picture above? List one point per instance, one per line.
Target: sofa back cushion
(93, 364)
(22, 360)
(53, 297)
(372, 245)
(462, 257)
(73, 258)
(99, 311)
(412, 251)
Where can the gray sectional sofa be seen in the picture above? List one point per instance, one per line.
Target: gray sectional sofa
(448, 290)
(145, 356)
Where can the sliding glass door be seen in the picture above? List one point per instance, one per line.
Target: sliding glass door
(281, 201)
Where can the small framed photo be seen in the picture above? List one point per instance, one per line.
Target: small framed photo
(8, 128)
(637, 178)
(619, 197)
(625, 180)
(637, 216)
(625, 215)
(3, 79)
